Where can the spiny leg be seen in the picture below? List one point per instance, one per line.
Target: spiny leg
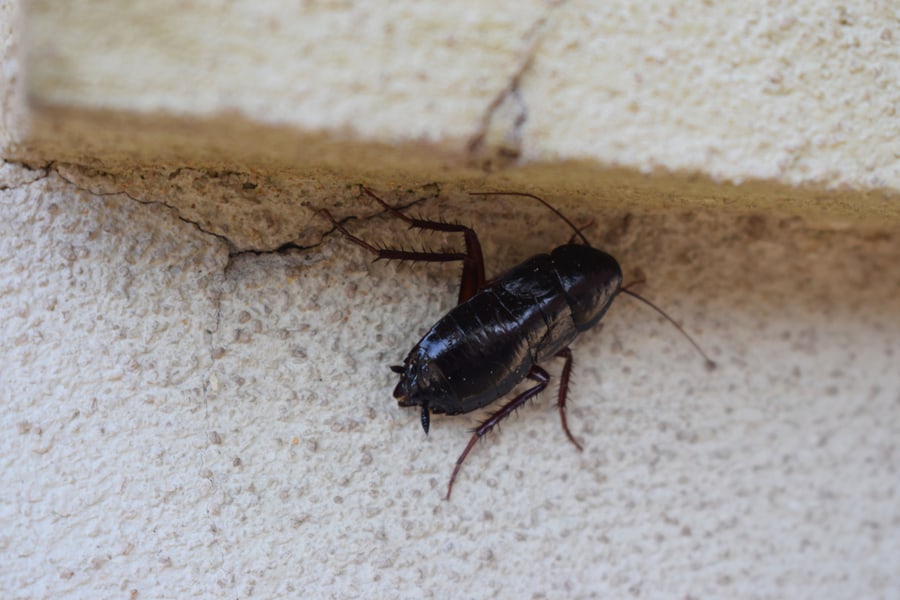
(473, 264)
(538, 374)
(390, 254)
(565, 353)
(473, 259)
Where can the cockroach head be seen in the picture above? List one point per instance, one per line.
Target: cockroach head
(420, 383)
(407, 402)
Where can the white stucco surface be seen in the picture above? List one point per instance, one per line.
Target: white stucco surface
(180, 423)
(796, 92)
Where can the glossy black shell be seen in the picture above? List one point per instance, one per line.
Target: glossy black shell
(483, 347)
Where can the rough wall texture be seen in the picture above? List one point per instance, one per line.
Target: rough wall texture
(793, 92)
(181, 421)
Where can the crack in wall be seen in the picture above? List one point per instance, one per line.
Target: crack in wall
(219, 291)
(498, 142)
(54, 166)
(17, 181)
(249, 210)
(232, 253)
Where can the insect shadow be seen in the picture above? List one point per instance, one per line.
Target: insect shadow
(503, 328)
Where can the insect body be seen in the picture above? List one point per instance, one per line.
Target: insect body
(485, 346)
(503, 329)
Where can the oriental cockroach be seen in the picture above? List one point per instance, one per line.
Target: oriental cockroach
(502, 329)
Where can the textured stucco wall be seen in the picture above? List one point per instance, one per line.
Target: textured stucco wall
(179, 421)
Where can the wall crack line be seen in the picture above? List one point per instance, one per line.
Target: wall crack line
(505, 147)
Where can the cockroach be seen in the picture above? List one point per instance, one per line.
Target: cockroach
(503, 329)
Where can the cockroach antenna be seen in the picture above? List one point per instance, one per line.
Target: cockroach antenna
(710, 364)
(542, 201)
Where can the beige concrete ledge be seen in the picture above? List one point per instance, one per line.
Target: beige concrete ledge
(646, 105)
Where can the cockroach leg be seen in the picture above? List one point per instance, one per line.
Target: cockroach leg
(537, 374)
(473, 259)
(566, 354)
(473, 262)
